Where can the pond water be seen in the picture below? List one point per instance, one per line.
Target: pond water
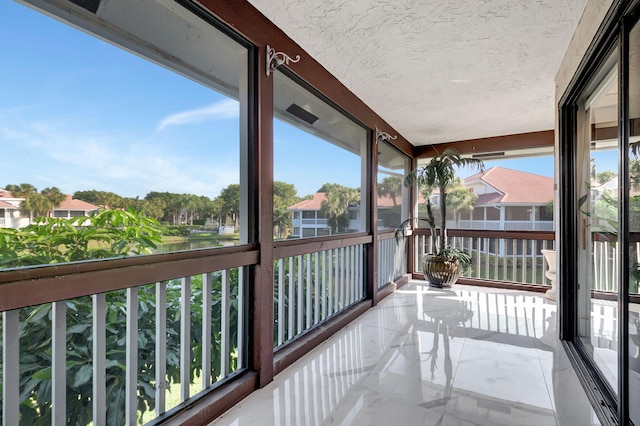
(191, 245)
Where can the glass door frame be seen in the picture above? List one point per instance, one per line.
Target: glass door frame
(612, 34)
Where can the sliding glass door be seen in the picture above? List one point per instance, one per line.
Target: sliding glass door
(596, 180)
(600, 220)
(633, 191)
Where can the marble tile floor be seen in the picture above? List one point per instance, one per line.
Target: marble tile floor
(461, 356)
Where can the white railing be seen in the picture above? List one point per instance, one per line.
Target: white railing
(507, 225)
(392, 259)
(314, 221)
(605, 266)
(131, 354)
(515, 260)
(475, 224)
(526, 225)
(310, 288)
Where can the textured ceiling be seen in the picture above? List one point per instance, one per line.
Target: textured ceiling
(439, 70)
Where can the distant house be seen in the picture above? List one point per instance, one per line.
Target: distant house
(308, 220)
(508, 200)
(11, 216)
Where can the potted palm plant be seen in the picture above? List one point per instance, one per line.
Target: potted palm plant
(444, 264)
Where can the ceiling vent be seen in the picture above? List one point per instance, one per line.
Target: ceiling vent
(302, 114)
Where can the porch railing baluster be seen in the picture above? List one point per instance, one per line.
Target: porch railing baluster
(225, 323)
(185, 338)
(11, 367)
(161, 347)
(131, 380)
(58, 363)
(99, 360)
(308, 295)
(206, 329)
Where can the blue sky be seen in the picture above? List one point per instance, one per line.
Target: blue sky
(79, 114)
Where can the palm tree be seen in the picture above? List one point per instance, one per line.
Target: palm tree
(22, 190)
(36, 203)
(391, 187)
(336, 207)
(54, 195)
(460, 198)
(439, 174)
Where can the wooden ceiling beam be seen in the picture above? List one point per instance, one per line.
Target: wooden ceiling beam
(539, 139)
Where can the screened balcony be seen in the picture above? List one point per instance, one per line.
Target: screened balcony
(329, 323)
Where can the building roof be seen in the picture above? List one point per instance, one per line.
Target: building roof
(68, 204)
(71, 204)
(513, 187)
(313, 204)
(5, 194)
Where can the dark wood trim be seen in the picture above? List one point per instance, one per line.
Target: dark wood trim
(293, 351)
(59, 270)
(288, 248)
(371, 283)
(204, 409)
(244, 18)
(261, 311)
(478, 233)
(504, 285)
(545, 138)
(492, 284)
(604, 133)
(51, 288)
(393, 286)
(385, 234)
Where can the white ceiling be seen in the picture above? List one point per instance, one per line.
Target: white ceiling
(439, 70)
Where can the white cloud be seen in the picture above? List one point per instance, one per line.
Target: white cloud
(72, 158)
(222, 110)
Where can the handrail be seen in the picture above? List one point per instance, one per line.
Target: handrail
(533, 235)
(296, 247)
(34, 286)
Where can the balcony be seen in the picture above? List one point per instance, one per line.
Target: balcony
(468, 355)
(160, 354)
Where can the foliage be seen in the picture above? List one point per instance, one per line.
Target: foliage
(391, 187)
(41, 203)
(438, 174)
(230, 208)
(391, 218)
(109, 233)
(284, 196)
(336, 207)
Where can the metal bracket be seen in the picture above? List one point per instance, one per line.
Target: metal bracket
(275, 59)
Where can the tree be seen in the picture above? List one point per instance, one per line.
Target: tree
(22, 190)
(37, 204)
(391, 187)
(230, 197)
(284, 195)
(604, 177)
(439, 173)
(104, 199)
(109, 233)
(54, 196)
(460, 198)
(336, 207)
